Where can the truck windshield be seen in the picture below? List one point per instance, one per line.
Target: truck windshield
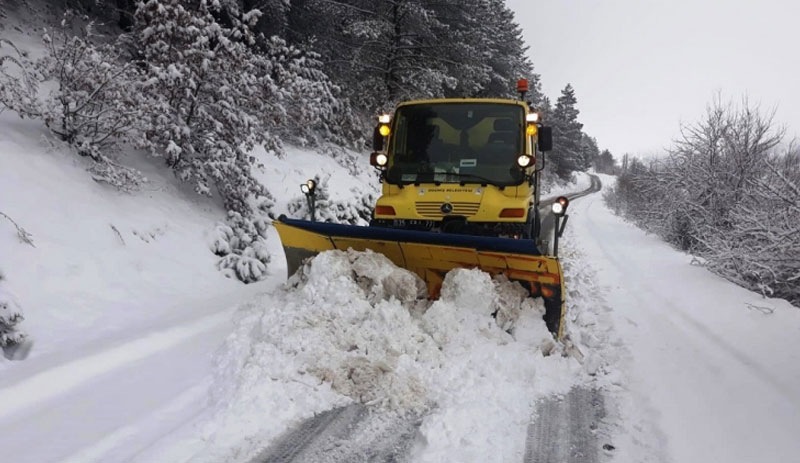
(457, 143)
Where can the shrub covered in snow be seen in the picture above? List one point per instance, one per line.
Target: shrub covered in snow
(123, 178)
(241, 242)
(725, 193)
(93, 104)
(19, 82)
(335, 211)
(10, 317)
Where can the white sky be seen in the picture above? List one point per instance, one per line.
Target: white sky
(640, 68)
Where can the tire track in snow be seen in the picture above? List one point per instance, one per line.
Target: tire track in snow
(565, 429)
(344, 435)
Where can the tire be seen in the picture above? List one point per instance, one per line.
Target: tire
(537, 224)
(553, 309)
(533, 225)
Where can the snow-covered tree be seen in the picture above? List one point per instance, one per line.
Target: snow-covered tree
(204, 103)
(589, 151)
(761, 250)
(384, 51)
(605, 162)
(90, 103)
(723, 193)
(203, 87)
(484, 49)
(302, 105)
(93, 105)
(397, 54)
(241, 243)
(19, 82)
(566, 156)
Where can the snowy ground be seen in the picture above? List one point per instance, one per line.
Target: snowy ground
(125, 309)
(144, 352)
(713, 371)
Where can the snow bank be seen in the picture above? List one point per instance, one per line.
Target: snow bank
(580, 182)
(353, 327)
(103, 261)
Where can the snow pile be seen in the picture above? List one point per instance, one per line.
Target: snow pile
(589, 325)
(353, 327)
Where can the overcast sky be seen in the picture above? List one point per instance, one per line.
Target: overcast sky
(640, 67)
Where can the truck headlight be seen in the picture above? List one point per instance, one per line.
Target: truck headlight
(378, 159)
(559, 207)
(524, 160)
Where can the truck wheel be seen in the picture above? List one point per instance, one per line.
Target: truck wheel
(533, 225)
(553, 310)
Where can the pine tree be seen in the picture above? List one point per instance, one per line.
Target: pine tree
(567, 135)
(545, 108)
(384, 51)
(485, 50)
(589, 151)
(605, 163)
(205, 97)
(204, 108)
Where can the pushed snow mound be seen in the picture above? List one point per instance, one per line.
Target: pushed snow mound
(352, 326)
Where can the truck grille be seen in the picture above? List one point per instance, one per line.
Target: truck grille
(434, 208)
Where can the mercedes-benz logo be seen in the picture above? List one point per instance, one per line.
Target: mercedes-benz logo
(447, 208)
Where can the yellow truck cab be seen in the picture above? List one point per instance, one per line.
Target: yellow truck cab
(460, 166)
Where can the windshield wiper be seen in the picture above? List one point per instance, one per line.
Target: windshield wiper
(483, 180)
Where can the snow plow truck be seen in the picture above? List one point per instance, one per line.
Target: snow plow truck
(460, 188)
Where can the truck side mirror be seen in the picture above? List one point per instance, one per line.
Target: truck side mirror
(545, 138)
(377, 139)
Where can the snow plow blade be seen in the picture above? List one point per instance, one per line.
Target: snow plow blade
(432, 255)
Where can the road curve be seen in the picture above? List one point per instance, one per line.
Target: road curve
(545, 238)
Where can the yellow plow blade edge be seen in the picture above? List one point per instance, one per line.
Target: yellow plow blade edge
(432, 255)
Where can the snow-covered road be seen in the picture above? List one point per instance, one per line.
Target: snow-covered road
(114, 395)
(691, 368)
(712, 366)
